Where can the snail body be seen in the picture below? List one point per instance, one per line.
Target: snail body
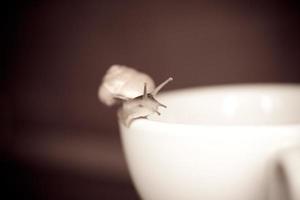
(135, 90)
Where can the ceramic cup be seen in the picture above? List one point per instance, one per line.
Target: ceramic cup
(234, 142)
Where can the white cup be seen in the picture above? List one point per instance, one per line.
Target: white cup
(235, 142)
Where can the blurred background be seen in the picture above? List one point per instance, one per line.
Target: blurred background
(57, 141)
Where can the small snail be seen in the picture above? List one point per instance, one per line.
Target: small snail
(134, 89)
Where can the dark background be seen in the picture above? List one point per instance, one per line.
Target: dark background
(57, 140)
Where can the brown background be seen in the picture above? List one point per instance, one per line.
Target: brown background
(58, 141)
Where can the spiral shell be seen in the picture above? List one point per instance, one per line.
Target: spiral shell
(123, 83)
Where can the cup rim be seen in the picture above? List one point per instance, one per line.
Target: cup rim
(142, 122)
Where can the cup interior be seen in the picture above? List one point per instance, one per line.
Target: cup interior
(249, 104)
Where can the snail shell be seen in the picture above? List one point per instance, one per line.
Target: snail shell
(123, 83)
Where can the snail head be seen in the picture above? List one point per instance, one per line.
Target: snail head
(151, 96)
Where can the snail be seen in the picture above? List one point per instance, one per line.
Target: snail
(135, 90)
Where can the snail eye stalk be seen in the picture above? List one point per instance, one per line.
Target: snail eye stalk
(158, 88)
(145, 91)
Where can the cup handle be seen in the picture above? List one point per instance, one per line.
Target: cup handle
(289, 161)
(285, 176)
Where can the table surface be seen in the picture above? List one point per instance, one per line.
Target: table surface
(26, 181)
(55, 166)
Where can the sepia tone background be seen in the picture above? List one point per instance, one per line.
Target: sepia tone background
(57, 140)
